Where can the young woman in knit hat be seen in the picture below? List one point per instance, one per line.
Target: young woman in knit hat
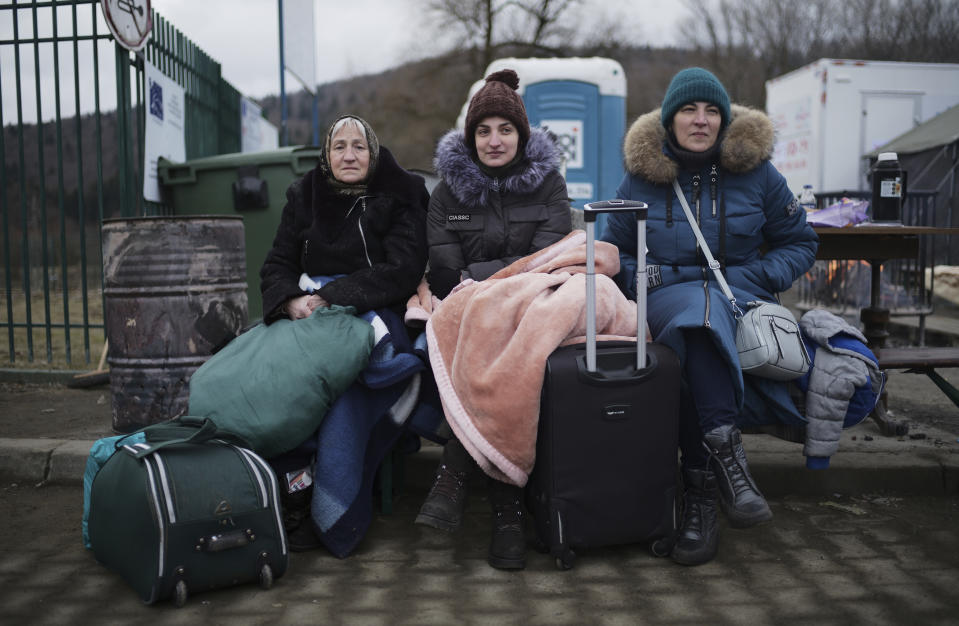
(719, 154)
(501, 197)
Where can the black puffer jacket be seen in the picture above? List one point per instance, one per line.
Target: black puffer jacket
(378, 240)
(478, 225)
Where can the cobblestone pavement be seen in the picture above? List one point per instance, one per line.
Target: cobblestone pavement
(836, 560)
(851, 550)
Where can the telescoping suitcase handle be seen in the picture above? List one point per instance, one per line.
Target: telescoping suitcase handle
(590, 211)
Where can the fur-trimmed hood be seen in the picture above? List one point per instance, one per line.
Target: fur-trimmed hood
(747, 142)
(471, 186)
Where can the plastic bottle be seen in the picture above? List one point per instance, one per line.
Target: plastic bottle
(807, 199)
(888, 189)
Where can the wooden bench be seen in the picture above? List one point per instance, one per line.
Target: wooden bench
(920, 360)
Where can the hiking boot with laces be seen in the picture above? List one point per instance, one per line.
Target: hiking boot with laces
(446, 501)
(507, 549)
(740, 498)
(698, 539)
(444, 506)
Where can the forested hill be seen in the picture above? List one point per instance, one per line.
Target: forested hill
(411, 106)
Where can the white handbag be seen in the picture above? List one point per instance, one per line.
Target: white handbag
(769, 342)
(767, 335)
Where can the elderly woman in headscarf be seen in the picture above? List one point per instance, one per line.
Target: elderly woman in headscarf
(358, 215)
(359, 221)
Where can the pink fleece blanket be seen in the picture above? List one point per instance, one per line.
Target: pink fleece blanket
(489, 341)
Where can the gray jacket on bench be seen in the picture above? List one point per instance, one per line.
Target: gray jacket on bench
(833, 379)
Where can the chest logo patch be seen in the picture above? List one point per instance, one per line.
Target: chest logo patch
(792, 207)
(654, 276)
(458, 217)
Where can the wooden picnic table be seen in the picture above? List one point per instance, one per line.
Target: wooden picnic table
(876, 244)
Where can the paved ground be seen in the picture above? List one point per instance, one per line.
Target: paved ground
(868, 559)
(872, 540)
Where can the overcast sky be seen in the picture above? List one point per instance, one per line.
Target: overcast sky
(357, 36)
(354, 37)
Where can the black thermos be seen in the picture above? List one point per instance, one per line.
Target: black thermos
(888, 188)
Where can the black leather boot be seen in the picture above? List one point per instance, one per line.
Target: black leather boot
(698, 538)
(740, 498)
(446, 501)
(297, 521)
(507, 548)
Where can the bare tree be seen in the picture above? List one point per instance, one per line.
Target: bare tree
(490, 26)
(544, 19)
(903, 30)
(750, 41)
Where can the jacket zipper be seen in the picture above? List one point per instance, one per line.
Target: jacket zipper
(697, 189)
(359, 224)
(696, 193)
(713, 178)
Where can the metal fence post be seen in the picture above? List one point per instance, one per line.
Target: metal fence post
(47, 254)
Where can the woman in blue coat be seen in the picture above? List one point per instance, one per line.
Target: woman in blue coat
(752, 223)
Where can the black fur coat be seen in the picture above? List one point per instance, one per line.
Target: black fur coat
(377, 241)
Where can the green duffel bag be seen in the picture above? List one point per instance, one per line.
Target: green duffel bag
(274, 384)
(189, 509)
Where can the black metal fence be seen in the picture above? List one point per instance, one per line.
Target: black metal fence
(72, 140)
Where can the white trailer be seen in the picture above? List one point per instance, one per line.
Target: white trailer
(828, 114)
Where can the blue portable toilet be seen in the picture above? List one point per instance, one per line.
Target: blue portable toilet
(583, 102)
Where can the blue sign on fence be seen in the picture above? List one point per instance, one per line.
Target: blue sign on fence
(156, 99)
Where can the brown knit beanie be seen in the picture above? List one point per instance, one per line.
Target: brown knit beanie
(497, 97)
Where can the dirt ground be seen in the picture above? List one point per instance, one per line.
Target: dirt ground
(54, 411)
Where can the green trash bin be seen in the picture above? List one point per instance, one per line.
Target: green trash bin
(249, 184)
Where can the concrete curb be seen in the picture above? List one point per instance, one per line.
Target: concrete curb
(857, 472)
(30, 460)
(38, 377)
(888, 466)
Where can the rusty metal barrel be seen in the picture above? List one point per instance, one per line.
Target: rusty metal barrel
(174, 291)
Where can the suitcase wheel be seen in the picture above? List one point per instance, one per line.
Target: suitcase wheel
(180, 594)
(661, 547)
(266, 576)
(565, 560)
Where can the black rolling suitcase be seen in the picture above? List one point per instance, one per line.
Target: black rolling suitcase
(606, 450)
(187, 511)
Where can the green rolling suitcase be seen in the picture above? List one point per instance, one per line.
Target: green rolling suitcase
(189, 510)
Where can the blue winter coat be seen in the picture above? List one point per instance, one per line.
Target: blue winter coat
(763, 244)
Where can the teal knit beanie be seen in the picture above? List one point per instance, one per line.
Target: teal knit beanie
(694, 84)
